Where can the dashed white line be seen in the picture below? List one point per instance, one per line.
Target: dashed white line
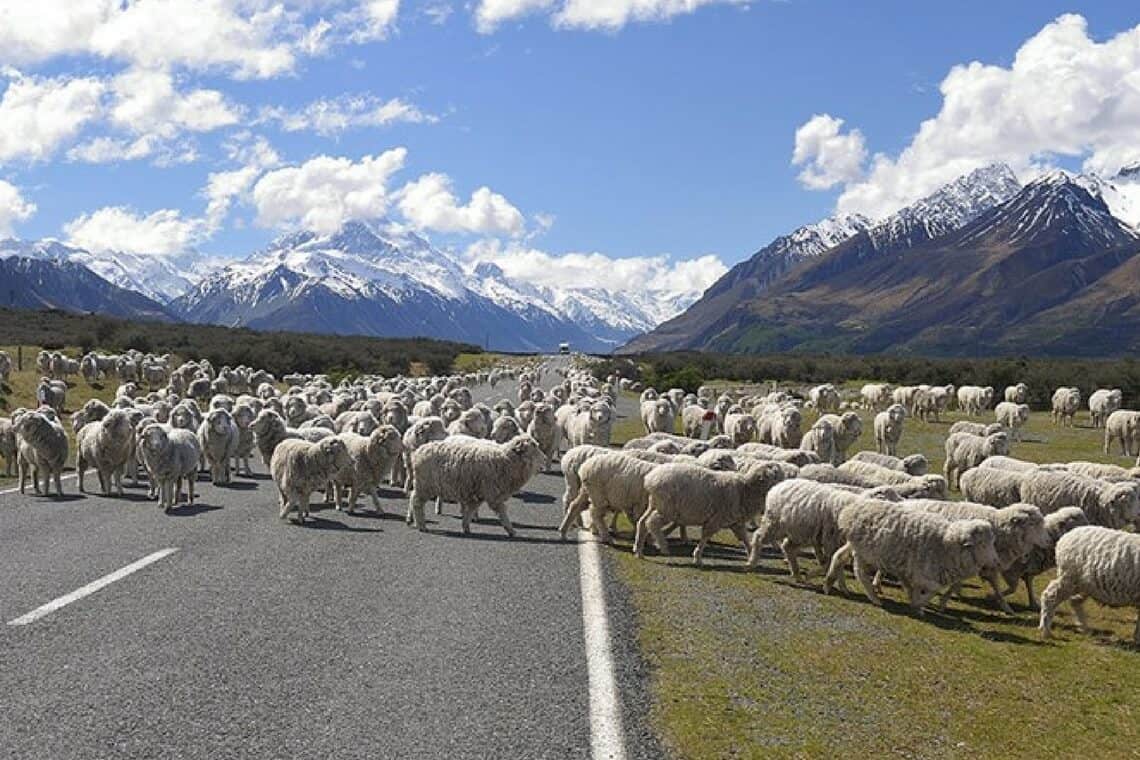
(607, 740)
(91, 587)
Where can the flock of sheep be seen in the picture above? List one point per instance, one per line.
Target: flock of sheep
(744, 463)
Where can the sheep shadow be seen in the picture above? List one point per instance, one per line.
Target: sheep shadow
(321, 523)
(256, 476)
(371, 514)
(530, 497)
(192, 510)
(237, 485)
(391, 493)
(500, 537)
(61, 498)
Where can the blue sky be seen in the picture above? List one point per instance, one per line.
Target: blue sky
(593, 131)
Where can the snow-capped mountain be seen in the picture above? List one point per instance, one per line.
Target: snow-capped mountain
(378, 278)
(158, 277)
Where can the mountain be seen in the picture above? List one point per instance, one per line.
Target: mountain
(847, 240)
(39, 283)
(376, 278)
(1005, 282)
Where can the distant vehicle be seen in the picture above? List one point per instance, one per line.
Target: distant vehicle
(563, 348)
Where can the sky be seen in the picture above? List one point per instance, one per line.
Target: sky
(554, 137)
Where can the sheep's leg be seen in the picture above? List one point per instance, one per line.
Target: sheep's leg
(741, 534)
(58, 474)
(878, 582)
(654, 525)
(573, 511)
(992, 579)
(1033, 604)
(864, 578)
(190, 489)
(699, 553)
(1058, 590)
(791, 551)
(504, 518)
(754, 547)
(376, 505)
(598, 521)
(117, 477)
(81, 472)
(22, 472)
(835, 569)
(951, 590)
(466, 511)
(1077, 602)
(639, 535)
(439, 506)
(303, 498)
(283, 508)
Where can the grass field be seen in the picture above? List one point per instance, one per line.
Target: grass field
(747, 664)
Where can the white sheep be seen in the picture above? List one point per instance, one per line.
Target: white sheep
(1017, 394)
(965, 451)
(572, 461)
(1096, 562)
(876, 396)
(688, 494)
(470, 422)
(975, 428)
(1113, 505)
(1104, 402)
(1012, 416)
(42, 447)
(973, 399)
(1040, 559)
(504, 429)
(820, 440)
(1099, 470)
(1123, 425)
(244, 415)
(889, 429)
(610, 483)
(825, 398)
(698, 422)
(421, 431)
(8, 445)
(1009, 464)
(470, 473)
(925, 551)
(914, 464)
(799, 457)
(218, 438)
(848, 428)
(370, 460)
(658, 415)
(903, 482)
(107, 445)
(740, 427)
(170, 456)
(994, 486)
(780, 426)
(300, 467)
(1066, 402)
(592, 423)
(543, 428)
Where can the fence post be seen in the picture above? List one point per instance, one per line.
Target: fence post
(20, 358)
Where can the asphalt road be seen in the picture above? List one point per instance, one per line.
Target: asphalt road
(354, 636)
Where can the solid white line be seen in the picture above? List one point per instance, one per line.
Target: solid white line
(91, 587)
(31, 490)
(607, 740)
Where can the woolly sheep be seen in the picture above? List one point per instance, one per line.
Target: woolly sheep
(1104, 402)
(244, 415)
(1012, 417)
(51, 393)
(915, 464)
(925, 551)
(798, 457)
(780, 427)
(848, 428)
(687, 494)
(370, 460)
(504, 429)
(820, 440)
(590, 424)
(1040, 559)
(1066, 402)
(1017, 394)
(879, 475)
(421, 431)
(218, 439)
(572, 461)
(698, 422)
(610, 483)
(106, 445)
(1096, 562)
(825, 398)
(932, 401)
(42, 448)
(889, 429)
(1124, 426)
(657, 415)
(471, 473)
(470, 422)
(543, 428)
(1099, 470)
(1113, 505)
(975, 428)
(973, 399)
(876, 396)
(8, 445)
(300, 467)
(1009, 464)
(991, 485)
(965, 451)
(740, 427)
(170, 456)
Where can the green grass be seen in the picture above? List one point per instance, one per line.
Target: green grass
(747, 664)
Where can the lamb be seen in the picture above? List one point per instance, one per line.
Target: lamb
(925, 551)
(107, 445)
(688, 494)
(370, 459)
(1041, 559)
(42, 447)
(504, 429)
(825, 398)
(847, 429)
(658, 415)
(1112, 505)
(889, 429)
(610, 482)
(780, 427)
(543, 428)
(1017, 394)
(740, 427)
(300, 467)
(991, 485)
(591, 424)
(915, 464)
(218, 437)
(1104, 402)
(1066, 402)
(1018, 529)
(973, 399)
(965, 451)
(170, 455)
(1012, 417)
(698, 422)
(975, 428)
(471, 473)
(820, 440)
(876, 396)
(1096, 562)
(1124, 426)
(8, 444)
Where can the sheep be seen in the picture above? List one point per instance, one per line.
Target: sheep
(91, 411)
(1018, 529)
(798, 457)
(543, 428)
(975, 428)
(1096, 562)
(107, 445)
(973, 399)
(51, 393)
(825, 398)
(269, 430)
(877, 475)
(876, 396)
(688, 494)
(1099, 471)
(370, 459)
(658, 415)
(421, 431)
(888, 426)
(698, 422)
(170, 455)
(504, 429)
(820, 440)
(1113, 505)
(572, 461)
(590, 424)
(925, 551)
(1066, 402)
(244, 416)
(42, 447)
(848, 428)
(8, 444)
(780, 427)
(300, 467)
(470, 422)
(1012, 417)
(610, 482)
(1016, 394)
(906, 395)
(965, 451)
(932, 401)
(5, 367)
(915, 464)
(1123, 425)
(471, 473)
(1104, 402)
(991, 485)
(218, 438)
(1040, 559)
(1010, 464)
(740, 427)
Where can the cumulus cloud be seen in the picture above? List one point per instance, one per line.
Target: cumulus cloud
(597, 270)
(223, 188)
(828, 156)
(118, 228)
(38, 114)
(331, 116)
(13, 207)
(429, 204)
(1064, 95)
(325, 191)
(605, 15)
(147, 102)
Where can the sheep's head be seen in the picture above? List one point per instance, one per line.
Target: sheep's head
(996, 444)
(219, 421)
(601, 413)
(154, 438)
(525, 448)
(243, 416)
(915, 464)
(295, 408)
(759, 477)
(334, 453)
(1063, 520)
(852, 425)
(267, 422)
(118, 424)
(386, 438)
(451, 410)
(1122, 501)
(363, 423)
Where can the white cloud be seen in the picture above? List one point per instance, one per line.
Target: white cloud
(38, 115)
(429, 203)
(223, 188)
(107, 150)
(117, 228)
(438, 12)
(331, 116)
(371, 20)
(827, 156)
(326, 191)
(147, 102)
(13, 207)
(1065, 94)
(597, 270)
(606, 15)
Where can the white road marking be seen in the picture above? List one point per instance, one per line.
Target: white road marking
(607, 739)
(31, 490)
(91, 587)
